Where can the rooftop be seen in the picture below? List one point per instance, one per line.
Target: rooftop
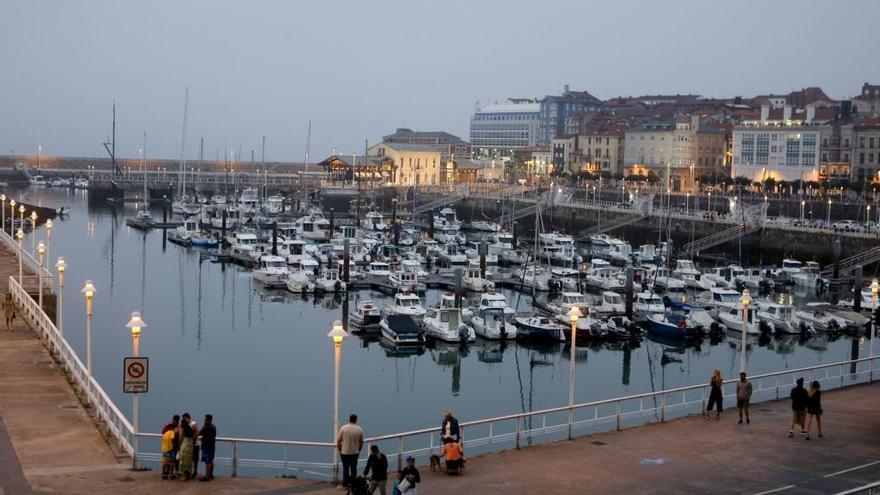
(511, 108)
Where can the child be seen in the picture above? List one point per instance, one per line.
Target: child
(453, 453)
(168, 454)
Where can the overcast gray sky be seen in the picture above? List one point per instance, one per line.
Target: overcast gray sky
(359, 68)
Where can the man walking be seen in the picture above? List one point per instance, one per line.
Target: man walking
(208, 434)
(349, 441)
(798, 407)
(377, 467)
(743, 396)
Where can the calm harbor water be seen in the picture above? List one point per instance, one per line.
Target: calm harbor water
(261, 363)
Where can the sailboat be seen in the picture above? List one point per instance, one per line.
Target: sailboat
(142, 220)
(184, 204)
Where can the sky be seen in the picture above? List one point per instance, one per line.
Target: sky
(360, 69)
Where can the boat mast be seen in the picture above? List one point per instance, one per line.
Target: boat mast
(181, 176)
(201, 160)
(263, 167)
(308, 145)
(144, 172)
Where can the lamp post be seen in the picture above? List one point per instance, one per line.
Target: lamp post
(709, 202)
(89, 291)
(20, 236)
(61, 266)
(875, 287)
(48, 239)
(687, 203)
(828, 217)
(11, 217)
(868, 217)
(21, 216)
(136, 323)
(574, 313)
(41, 249)
(746, 300)
(803, 204)
(337, 334)
(3, 210)
(33, 232)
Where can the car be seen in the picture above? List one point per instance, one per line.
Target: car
(846, 226)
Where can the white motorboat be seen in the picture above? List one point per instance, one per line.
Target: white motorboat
(378, 269)
(452, 256)
(330, 281)
(81, 183)
(374, 221)
(780, 317)
(732, 319)
(558, 249)
(688, 273)
(602, 276)
(406, 303)
(647, 303)
(244, 243)
(611, 303)
(664, 280)
(300, 282)
(38, 181)
(808, 276)
(366, 315)
(485, 226)
(539, 328)
(272, 271)
(601, 240)
(496, 301)
(473, 280)
(447, 220)
(563, 305)
(313, 226)
(445, 324)
(819, 320)
(754, 279)
(724, 276)
(403, 281)
(721, 299)
(491, 323)
(620, 251)
(532, 277)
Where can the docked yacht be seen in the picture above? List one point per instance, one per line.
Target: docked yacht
(532, 277)
(558, 249)
(491, 323)
(724, 276)
(406, 303)
(601, 240)
(720, 299)
(445, 324)
(452, 256)
(664, 280)
(754, 279)
(378, 269)
(563, 305)
(366, 315)
(687, 272)
(611, 303)
(732, 319)
(406, 280)
(446, 220)
(678, 326)
(473, 280)
(141, 221)
(313, 226)
(601, 276)
(272, 271)
(330, 281)
(780, 317)
(300, 282)
(808, 276)
(647, 303)
(494, 300)
(538, 328)
(374, 221)
(245, 243)
(819, 320)
(485, 226)
(401, 330)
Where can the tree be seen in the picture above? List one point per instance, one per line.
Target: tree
(769, 184)
(635, 178)
(653, 178)
(742, 181)
(618, 175)
(605, 174)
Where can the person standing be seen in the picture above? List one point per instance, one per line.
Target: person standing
(743, 396)
(349, 441)
(715, 395)
(186, 434)
(409, 474)
(377, 467)
(798, 407)
(449, 430)
(814, 408)
(9, 311)
(208, 435)
(196, 450)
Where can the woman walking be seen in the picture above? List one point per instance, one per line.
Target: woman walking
(9, 311)
(715, 395)
(814, 408)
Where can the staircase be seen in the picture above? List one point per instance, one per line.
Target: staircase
(460, 193)
(509, 217)
(753, 218)
(847, 265)
(617, 223)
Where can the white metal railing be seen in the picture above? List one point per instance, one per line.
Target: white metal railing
(105, 410)
(869, 489)
(30, 264)
(522, 429)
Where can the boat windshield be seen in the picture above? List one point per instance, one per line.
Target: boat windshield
(579, 300)
(495, 303)
(727, 297)
(276, 264)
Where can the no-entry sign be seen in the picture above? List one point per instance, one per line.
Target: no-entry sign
(135, 375)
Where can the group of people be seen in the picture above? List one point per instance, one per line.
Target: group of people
(806, 405)
(350, 441)
(184, 443)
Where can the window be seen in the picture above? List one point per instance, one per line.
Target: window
(861, 158)
(747, 148)
(792, 150)
(871, 143)
(763, 148)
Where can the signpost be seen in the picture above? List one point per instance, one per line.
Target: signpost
(136, 375)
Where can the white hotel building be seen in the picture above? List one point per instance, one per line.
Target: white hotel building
(496, 130)
(784, 149)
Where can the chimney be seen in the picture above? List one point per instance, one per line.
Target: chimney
(786, 113)
(765, 113)
(811, 113)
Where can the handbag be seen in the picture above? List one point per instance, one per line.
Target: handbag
(404, 485)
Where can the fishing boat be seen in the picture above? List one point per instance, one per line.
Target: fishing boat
(406, 303)
(184, 233)
(401, 330)
(647, 303)
(474, 281)
(778, 316)
(691, 276)
(532, 277)
(374, 221)
(244, 243)
(820, 319)
(611, 303)
(808, 276)
(494, 300)
(272, 271)
(299, 282)
(491, 323)
(366, 315)
(674, 325)
(141, 221)
(721, 299)
(404, 280)
(445, 324)
(446, 220)
(378, 269)
(558, 249)
(725, 276)
(538, 328)
(732, 319)
(330, 281)
(38, 181)
(485, 226)
(665, 281)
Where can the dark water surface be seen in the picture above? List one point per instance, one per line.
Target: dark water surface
(261, 362)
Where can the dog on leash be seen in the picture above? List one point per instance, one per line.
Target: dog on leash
(435, 463)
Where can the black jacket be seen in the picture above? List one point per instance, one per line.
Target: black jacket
(798, 398)
(410, 470)
(379, 465)
(814, 403)
(453, 428)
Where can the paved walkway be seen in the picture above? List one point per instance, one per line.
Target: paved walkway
(49, 443)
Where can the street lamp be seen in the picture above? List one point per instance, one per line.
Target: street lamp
(828, 219)
(33, 231)
(61, 266)
(11, 217)
(868, 217)
(20, 236)
(337, 334)
(136, 323)
(21, 216)
(709, 202)
(687, 202)
(874, 288)
(48, 239)
(746, 300)
(89, 291)
(41, 249)
(3, 210)
(574, 313)
(803, 204)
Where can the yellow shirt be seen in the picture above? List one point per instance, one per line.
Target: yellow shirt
(168, 441)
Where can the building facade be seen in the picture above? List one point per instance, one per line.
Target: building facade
(498, 129)
(557, 110)
(783, 152)
(866, 151)
(413, 164)
(443, 142)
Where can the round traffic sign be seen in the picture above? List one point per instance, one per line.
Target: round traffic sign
(135, 370)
